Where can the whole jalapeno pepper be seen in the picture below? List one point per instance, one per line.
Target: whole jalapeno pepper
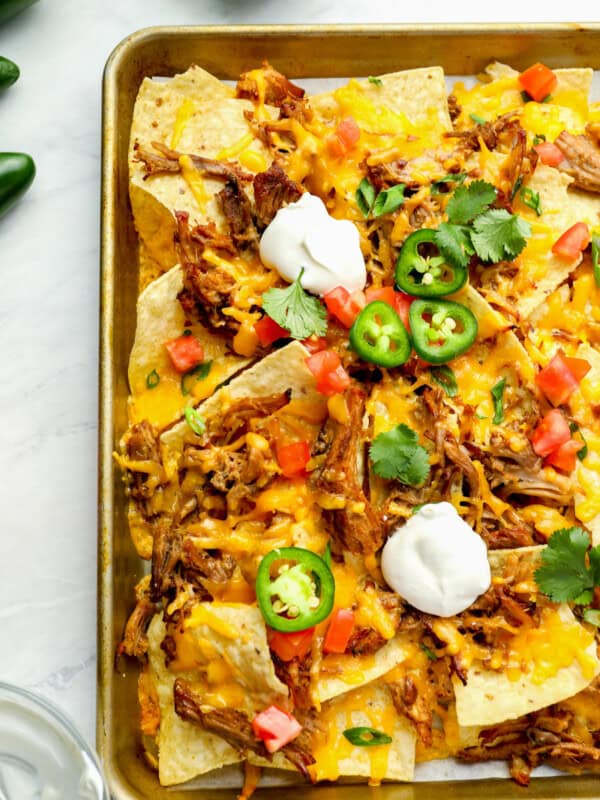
(9, 73)
(17, 171)
(441, 329)
(422, 271)
(9, 8)
(295, 589)
(378, 335)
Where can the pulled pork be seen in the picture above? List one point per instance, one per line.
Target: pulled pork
(277, 90)
(165, 160)
(207, 289)
(357, 525)
(582, 160)
(235, 727)
(272, 189)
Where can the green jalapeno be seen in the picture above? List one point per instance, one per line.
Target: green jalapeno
(9, 8)
(9, 72)
(441, 329)
(294, 589)
(17, 172)
(378, 335)
(422, 271)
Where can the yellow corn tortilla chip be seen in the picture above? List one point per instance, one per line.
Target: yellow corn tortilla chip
(279, 371)
(160, 318)
(490, 697)
(354, 671)
(541, 272)
(419, 94)
(370, 706)
(235, 640)
(199, 124)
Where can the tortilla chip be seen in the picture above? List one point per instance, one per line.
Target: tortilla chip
(160, 318)
(419, 94)
(370, 706)
(490, 697)
(541, 272)
(354, 671)
(201, 123)
(185, 749)
(282, 370)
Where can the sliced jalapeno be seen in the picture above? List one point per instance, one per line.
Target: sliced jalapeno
(378, 335)
(441, 329)
(422, 271)
(295, 589)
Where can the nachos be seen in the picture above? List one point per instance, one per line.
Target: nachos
(363, 446)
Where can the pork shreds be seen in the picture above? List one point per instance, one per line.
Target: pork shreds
(235, 727)
(364, 641)
(278, 89)
(357, 525)
(582, 160)
(164, 160)
(238, 213)
(207, 288)
(272, 189)
(296, 676)
(142, 446)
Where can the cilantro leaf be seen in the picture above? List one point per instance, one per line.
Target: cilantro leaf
(592, 615)
(389, 200)
(397, 454)
(499, 236)
(295, 310)
(497, 396)
(454, 243)
(469, 201)
(594, 556)
(564, 574)
(365, 196)
(375, 81)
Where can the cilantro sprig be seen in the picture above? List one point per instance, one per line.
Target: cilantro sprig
(570, 568)
(473, 227)
(396, 454)
(374, 205)
(295, 310)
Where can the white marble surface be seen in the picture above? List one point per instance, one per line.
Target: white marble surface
(49, 301)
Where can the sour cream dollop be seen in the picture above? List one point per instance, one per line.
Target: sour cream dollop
(303, 234)
(436, 561)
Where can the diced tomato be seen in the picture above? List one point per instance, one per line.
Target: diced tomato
(538, 81)
(339, 631)
(329, 372)
(573, 241)
(275, 728)
(185, 352)
(565, 456)
(578, 366)
(549, 153)
(269, 331)
(288, 646)
(558, 380)
(293, 458)
(551, 432)
(344, 305)
(399, 301)
(346, 136)
(315, 343)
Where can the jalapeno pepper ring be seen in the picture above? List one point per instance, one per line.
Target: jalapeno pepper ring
(378, 335)
(296, 593)
(441, 329)
(427, 275)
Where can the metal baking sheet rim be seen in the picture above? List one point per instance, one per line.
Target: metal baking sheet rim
(226, 50)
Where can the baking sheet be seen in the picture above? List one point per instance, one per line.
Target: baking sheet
(336, 50)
